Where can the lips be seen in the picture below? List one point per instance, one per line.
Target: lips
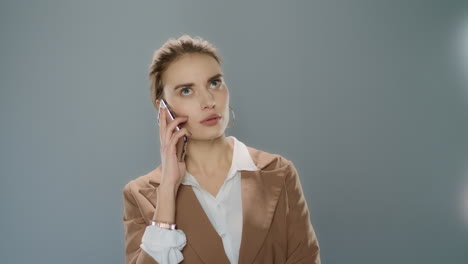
(212, 116)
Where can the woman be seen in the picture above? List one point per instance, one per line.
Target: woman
(225, 202)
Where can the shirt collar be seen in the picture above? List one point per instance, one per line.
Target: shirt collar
(241, 160)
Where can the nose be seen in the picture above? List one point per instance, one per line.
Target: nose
(207, 100)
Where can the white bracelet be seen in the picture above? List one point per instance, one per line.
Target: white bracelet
(161, 224)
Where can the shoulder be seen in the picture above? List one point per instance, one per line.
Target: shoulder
(266, 160)
(271, 161)
(147, 180)
(278, 166)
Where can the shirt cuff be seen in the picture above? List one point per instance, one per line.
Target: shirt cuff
(164, 245)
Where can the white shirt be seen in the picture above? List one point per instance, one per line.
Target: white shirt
(224, 212)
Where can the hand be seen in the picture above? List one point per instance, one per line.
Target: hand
(173, 170)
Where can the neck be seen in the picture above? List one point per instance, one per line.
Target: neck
(206, 157)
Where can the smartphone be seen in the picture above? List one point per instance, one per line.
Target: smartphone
(181, 145)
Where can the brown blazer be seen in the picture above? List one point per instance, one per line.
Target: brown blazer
(276, 223)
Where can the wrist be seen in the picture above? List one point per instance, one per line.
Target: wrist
(168, 189)
(162, 224)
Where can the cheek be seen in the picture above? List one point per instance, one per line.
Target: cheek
(224, 96)
(189, 111)
(182, 111)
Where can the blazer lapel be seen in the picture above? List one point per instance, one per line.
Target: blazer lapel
(260, 192)
(202, 236)
(192, 219)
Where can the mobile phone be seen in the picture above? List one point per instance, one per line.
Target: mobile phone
(182, 143)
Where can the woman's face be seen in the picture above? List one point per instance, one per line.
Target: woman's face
(194, 87)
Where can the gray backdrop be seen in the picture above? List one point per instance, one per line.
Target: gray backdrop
(363, 96)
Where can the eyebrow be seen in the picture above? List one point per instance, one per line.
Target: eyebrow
(191, 84)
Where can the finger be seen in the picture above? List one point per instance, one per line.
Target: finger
(175, 139)
(171, 127)
(162, 126)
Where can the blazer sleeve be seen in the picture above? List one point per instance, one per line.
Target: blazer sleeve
(303, 246)
(134, 228)
(149, 244)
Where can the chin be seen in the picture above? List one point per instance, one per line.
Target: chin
(208, 134)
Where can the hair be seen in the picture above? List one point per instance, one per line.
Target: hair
(169, 52)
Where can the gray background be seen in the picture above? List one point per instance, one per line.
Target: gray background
(363, 96)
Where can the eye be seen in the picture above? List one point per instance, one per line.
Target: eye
(218, 82)
(184, 89)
